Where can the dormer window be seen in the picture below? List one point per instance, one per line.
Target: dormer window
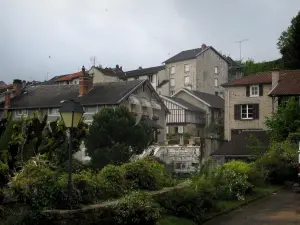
(254, 90)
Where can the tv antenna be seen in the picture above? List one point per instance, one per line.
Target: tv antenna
(240, 44)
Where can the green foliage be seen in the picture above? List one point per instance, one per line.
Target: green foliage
(112, 182)
(251, 67)
(288, 44)
(229, 184)
(238, 166)
(145, 174)
(114, 137)
(285, 121)
(136, 208)
(280, 162)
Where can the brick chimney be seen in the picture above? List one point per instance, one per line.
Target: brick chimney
(6, 102)
(18, 85)
(85, 83)
(275, 77)
(203, 46)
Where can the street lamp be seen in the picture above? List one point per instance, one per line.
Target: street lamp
(71, 113)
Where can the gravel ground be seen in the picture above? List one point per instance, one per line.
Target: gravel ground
(281, 208)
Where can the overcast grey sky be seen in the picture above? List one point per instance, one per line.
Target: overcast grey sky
(132, 32)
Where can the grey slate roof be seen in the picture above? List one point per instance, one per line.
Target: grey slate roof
(213, 100)
(145, 71)
(184, 55)
(189, 106)
(242, 144)
(47, 96)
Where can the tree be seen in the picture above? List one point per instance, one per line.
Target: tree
(289, 44)
(251, 67)
(285, 121)
(114, 137)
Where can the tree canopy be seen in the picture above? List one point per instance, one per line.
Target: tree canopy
(285, 122)
(289, 44)
(251, 67)
(114, 137)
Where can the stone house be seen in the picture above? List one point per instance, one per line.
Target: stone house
(207, 110)
(157, 76)
(138, 96)
(202, 69)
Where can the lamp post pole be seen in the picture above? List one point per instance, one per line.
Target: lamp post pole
(70, 168)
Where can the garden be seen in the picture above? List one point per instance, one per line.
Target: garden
(113, 189)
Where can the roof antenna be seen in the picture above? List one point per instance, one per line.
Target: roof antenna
(240, 43)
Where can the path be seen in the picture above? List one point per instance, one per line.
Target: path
(282, 208)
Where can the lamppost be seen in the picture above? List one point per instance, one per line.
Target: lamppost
(71, 113)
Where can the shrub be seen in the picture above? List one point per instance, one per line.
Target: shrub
(145, 174)
(238, 166)
(136, 208)
(111, 181)
(229, 184)
(188, 203)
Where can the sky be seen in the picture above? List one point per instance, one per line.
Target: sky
(42, 39)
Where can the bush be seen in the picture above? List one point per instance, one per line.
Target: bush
(111, 181)
(136, 208)
(188, 203)
(229, 184)
(238, 166)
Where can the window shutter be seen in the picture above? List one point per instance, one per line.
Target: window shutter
(248, 90)
(256, 111)
(237, 112)
(261, 90)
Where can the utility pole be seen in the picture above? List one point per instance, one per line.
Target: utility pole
(240, 44)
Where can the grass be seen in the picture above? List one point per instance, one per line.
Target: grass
(172, 220)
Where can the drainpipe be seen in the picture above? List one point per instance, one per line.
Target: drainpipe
(228, 115)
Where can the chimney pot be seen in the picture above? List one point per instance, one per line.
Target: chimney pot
(83, 70)
(203, 46)
(117, 66)
(17, 85)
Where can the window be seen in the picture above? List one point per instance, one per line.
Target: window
(216, 82)
(53, 111)
(136, 78)
(216, 93)
(187, 68)
(172, 70)
(176, 130)
(172, 92)
(90, 109)
(254, 91)
(167, 129)
(216, 70)
(172, 82)
(186, 80)
(22, 112)
(180, 129)
(246, 111)
(150, 78)
(75, 81)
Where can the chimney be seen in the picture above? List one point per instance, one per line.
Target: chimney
(18, 85)
(6, 102)
(117, 66)
(203, 46)
(85, 84)
(140, 68)
(275, 77)
(83, 70)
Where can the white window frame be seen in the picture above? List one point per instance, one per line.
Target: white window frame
(216, 70)
(180, 129)
(186, 80)
(172, 70)
(150, 78)
(53, 114)
(253, 89)
(25, 113)
(247, 108)
(172, 82)
(216, 82)
(186, 68)
(90, 113)
(167, 129)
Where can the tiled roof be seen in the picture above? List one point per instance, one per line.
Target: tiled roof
(70, 76)
(213, 100)
(113, 72)
(260, 78)
(241, 144)
(184, 55)
(145, 71)
(187, 105)
(289, 84)
(44, 96)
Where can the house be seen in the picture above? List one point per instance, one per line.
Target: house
(187, 105)
(66, 79)
(235, 69)
(156, 75)
(138, 96)
(247, 100)
(202, 69)
(184, 117)
(106, 74)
